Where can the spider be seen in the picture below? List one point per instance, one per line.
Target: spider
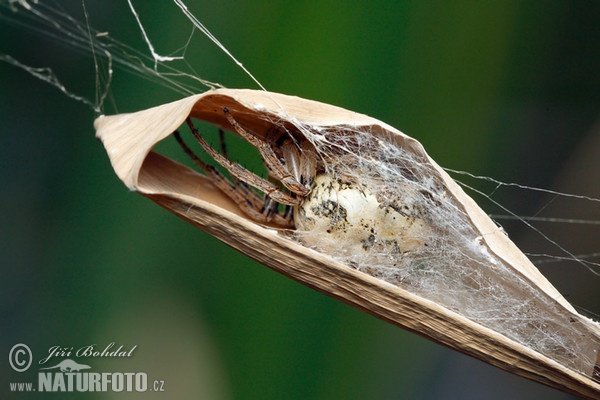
(329, 210)
(289, 160)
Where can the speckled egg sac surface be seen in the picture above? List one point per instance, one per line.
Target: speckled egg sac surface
(349, 220)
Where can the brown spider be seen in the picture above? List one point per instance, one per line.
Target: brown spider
(289, 160)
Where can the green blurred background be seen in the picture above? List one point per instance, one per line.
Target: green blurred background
(507, 89)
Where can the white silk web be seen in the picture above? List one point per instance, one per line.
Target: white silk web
(49, 20)
(445, 261)
(377, 185)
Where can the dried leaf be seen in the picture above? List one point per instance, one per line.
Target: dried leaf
(129, 139)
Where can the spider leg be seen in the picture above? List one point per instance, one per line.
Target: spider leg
(276, 167)
(246, 199)
(269, 207)
(237, 183)
(223, 144)
(243, 174)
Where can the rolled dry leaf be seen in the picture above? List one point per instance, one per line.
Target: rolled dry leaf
(547, 341)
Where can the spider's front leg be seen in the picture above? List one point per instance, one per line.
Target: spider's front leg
(246, 199)
(260, 209)
(301, 162)
(242, 174)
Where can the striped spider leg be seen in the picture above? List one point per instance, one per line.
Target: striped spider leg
(290, 162)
